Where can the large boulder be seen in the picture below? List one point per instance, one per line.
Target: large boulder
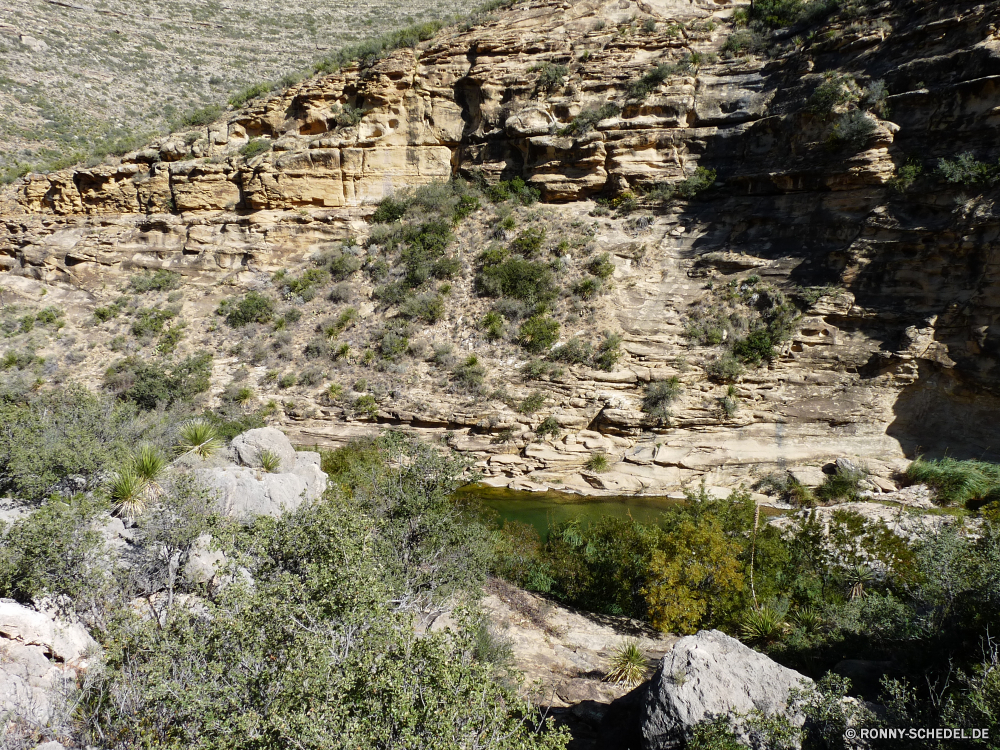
(248, 446)
(40, 660)
(709, 675)
(246, 491)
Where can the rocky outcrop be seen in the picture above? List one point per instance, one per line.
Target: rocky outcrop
(247, 491)
(41, 658)
(709, 675)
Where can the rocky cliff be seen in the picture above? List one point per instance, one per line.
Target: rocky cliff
(835, 202)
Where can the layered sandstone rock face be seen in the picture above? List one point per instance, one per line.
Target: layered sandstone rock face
(897, 354)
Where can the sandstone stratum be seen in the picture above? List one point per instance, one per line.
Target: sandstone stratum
(891, 266)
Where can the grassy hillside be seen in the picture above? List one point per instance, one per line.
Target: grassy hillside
(78, 79)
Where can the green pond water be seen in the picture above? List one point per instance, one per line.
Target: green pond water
(542, 509)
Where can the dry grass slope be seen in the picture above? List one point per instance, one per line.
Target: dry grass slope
(78, 78)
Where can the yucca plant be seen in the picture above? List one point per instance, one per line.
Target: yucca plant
(129, 491)
(198, 437)
(857, 577)
(761, 624)
(149, 463)
(809, 620)
(628, 664)
(269, 461)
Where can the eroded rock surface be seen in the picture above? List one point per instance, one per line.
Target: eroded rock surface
(711, 674)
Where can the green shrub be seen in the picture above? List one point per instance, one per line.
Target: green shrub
(202, 116)
(151, 321)
(302, 287)
(256, 147)
(608, 352)
(689, 187)
(254, 307)
(601, 266)
(548, 426)
(470, 373)
(588, 118)
(550, 75)
(107, 312)
(538, 333)
(160, 280)
(51, 316)
(529, 242)
(366, 405)
(492, 325)
(345, 116)
(659, 396)
(389, 209)
(966, 170)
(516, 278)
(149, 383)
(835, 90)
(755, 348)
(531, 403)
(514, 189)
(842, 485)
(853, 128)
(906, 175)
(744, 42)
(651, 80)
(574, 352)
(426, 307)
(56, 550)
(288, 380)
(251, 92)
(170, 338)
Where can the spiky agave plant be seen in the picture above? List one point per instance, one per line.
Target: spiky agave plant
(269, 461)
(198, 437)
(628, 665)
(149, 463)
(129, 491)
(857, 577)
(761, 624)
(809, 620)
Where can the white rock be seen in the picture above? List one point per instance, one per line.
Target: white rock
(711, 674)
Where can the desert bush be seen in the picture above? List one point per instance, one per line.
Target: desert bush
(524, 280)
(256, 147)
(608, 352)
(601, 266)
(470, 374)
(538, 333)
(744, 42)
(492, 325)
(574, 352)
(550, 75)
(531, 403)
(548, 426)
(301, 287)
(853, 128)
(837, 89)
(659, 396)
(150, 321)
(160, 280)
(340, 264)
(529, 242)
(150, 383)
(426, 307)
(651, 80)
(251, 92)
(254, 307)
(515, 189)
(966, 170)
(588, 118)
